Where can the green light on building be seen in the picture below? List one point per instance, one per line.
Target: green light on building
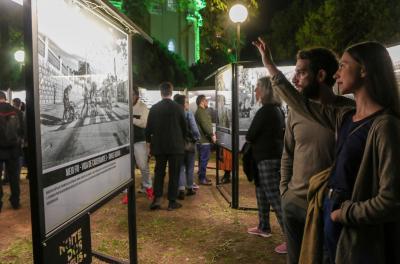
(117, 4)
(197, 20)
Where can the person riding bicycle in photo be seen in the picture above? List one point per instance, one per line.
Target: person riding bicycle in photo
(66, 101)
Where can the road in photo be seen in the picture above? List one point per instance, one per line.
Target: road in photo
(83, 83)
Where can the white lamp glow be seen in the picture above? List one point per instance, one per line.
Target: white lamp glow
(19, 56)
(238, 13)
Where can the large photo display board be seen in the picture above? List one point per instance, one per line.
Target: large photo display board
(248, 103)
(83, 67)
(223, 87)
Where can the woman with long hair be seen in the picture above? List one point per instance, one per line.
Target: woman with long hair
(266, 138)
(361, 206)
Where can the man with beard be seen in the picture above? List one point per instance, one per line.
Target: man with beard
(308, 146)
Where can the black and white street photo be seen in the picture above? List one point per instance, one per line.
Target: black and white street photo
(83, 83)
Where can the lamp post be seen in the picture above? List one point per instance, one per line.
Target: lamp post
(238, 14)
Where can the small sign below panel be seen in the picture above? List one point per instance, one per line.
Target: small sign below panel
(72, 245)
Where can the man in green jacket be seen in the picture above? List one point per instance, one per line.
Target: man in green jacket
(207, 137)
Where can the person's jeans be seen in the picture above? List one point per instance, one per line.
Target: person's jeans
(141, 159)
(294, 220)
(186, 173)
(204, 151)
(12, 172)
(332, 231)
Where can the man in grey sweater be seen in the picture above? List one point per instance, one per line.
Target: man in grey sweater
(308, 146)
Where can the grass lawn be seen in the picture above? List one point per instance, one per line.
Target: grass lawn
(204, 230)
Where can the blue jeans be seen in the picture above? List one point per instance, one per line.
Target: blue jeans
(331, 231)
(204, 151)
(141, 158)
(186, 173)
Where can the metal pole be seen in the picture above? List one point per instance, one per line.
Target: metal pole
(235, 138)
(237, 42)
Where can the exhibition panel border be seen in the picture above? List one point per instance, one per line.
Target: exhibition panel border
(78, 79)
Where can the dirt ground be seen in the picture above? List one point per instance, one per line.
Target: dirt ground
(204, 230)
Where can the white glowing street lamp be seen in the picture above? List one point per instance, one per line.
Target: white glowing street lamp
(238, 14)
(19, 56)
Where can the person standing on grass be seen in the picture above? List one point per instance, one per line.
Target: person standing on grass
(266, 138)
(11, 126)
(308, 146)
(193, 135)
(140, 151)
(207, 137)
(361, 198)
(165, 131)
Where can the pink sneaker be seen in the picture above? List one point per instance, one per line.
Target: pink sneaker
(150, 193)
(125, 199)
(258, 232)
(281, 249)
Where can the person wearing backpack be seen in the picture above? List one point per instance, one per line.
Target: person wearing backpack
(10, 147)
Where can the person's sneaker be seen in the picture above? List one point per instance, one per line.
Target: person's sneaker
(190, 192)
(150, 193)
(208, 180)
(226, 180)
(205, 182)
(181, 195)
(125, 199)
(156, 204)
(258, 232)
(173, 205)
(16, 206)
(281, 249)
(195, 186)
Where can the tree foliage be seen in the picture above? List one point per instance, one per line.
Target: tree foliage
(154, 63)
(218, 33)
(340, 23)
(284, 26)
(11, 72)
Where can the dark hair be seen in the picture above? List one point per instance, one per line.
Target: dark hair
(23, 107)
(321, 59)
(180, 99)
(381, 80)
(200, 98)
(268, 95)
(166, 88)
(17, 102)
(135, 89)
(3, 95)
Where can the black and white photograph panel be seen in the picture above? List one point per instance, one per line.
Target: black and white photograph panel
(249, 103)
(83, 83)
(223, 82)
(151, 97)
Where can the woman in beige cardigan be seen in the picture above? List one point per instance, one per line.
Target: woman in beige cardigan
(361, 209)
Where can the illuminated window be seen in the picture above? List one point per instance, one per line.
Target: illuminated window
(171, 5)
(155, 8)
(171, 45)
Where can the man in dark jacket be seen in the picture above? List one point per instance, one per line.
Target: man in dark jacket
(10, 135)
(166, 127)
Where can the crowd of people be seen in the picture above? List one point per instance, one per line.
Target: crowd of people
(12, 147)
(328, 169)
(339, 194)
